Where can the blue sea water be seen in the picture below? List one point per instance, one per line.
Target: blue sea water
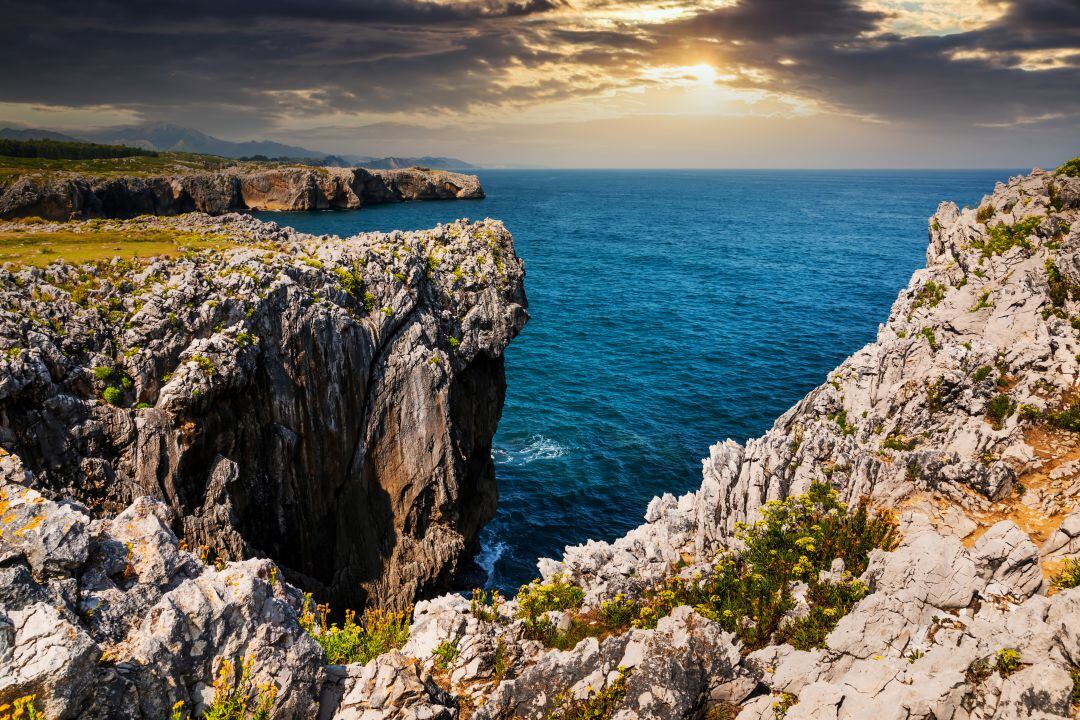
(670, 310)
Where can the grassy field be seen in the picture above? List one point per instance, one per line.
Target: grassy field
(165, 163)
(38, 248)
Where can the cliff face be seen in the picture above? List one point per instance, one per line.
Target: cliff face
(60, 196)
(329, 403)
(960, 420)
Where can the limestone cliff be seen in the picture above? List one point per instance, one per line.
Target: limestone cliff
(60, 196)
(328, 403)
(960, 419)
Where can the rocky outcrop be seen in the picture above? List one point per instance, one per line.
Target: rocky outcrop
(956, 418)
(959, 420)
(60, 196)
(328, 403)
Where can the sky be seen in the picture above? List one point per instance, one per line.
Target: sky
(568, 83)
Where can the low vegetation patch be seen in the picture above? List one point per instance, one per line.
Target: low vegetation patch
(21, 708)
(377, 632)
(60, 150)
(999, 409)
(236, 696)
(1070, 168)
(598, 705)
(929, 294)
(1002, 238)
(748, 594)
(34, 247)
(1069, 575)
(794, 540)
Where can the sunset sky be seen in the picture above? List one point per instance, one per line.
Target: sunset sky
(603, 83)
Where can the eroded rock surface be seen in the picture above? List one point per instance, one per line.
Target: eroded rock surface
(958, 621)
(328, 403)
(60, 196)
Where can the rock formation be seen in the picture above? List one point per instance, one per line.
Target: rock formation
(328, 403)
(959, 419)
(60, 196)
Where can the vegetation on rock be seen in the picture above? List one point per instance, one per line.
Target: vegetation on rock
(62, 150)
(377, 632)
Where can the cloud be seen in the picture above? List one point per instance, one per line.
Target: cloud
(285, 66)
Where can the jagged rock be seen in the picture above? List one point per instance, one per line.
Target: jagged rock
(327, 402)
(63, 196)
(390, 687)
(139, 621)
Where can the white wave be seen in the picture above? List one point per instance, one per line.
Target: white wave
(490, 553)
(538, 448)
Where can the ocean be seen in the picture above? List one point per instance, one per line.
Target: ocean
(671, 309)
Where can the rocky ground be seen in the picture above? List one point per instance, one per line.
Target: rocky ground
(958, 424)
(56, 195)
(327, 402)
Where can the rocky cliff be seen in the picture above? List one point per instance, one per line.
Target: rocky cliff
(328, 403)
(60, 196)
(946, 591)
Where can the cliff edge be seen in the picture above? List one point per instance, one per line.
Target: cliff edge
(903, 543)
(326, 402)
(58, 195)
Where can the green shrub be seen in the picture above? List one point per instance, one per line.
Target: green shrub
(485, 606)
(446, 653)
(749, 594)
(1069, 575)
(618, 612)
(235, 697)
(999, 408)
(538, 598)
(355, 642)
(929, 294)
(985, 213)
(982, 373)
(1070, 168)
(982, 302)
(840, 418)
(1003, 238)
(928, 333)
(104, 372)
(113, 395)
(1075, 699)
(896, 442)
(599, 705)
(1006, 662)
(352, 281)
(1068, 418)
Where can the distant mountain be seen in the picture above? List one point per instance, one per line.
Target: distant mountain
(428, 161)
(168, 137)
(32, 134)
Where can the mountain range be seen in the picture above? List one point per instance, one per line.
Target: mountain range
(164, 136)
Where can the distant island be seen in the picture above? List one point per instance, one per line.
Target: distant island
(167, 137)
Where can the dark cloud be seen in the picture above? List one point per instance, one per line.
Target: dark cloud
(225, 65)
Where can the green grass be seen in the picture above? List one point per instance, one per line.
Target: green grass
(378, 631)
(34, 247)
